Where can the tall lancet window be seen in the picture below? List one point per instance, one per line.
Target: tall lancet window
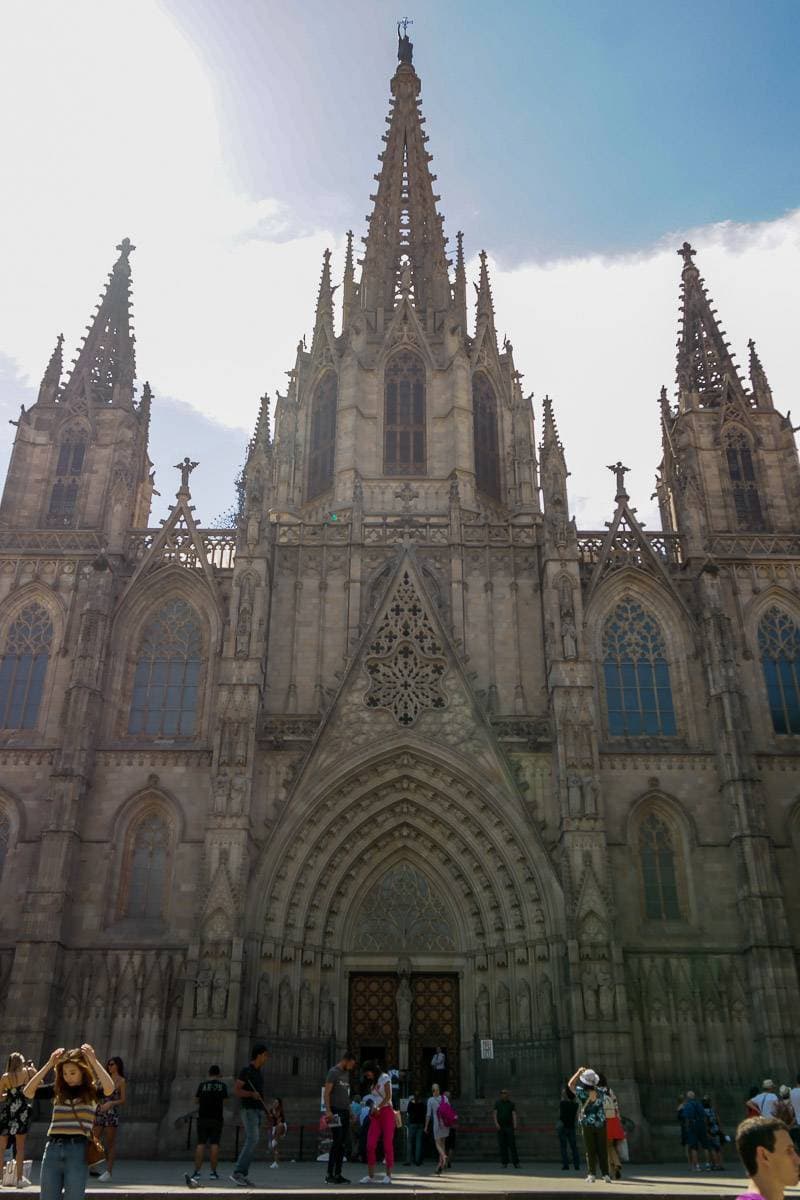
(779, 645)
(404, 415)
(147, 868)
(322, 443)
(636, 674)
(659, 876)
(744, 485)
(69, 468)
(484, 426)
(168, 674)
(23, 667)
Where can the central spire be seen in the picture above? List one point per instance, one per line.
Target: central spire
(405, 238)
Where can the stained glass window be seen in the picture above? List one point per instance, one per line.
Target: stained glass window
(322, 443)
(148, 868)
(659, 880)
(404, 415)
(23, 667)
(484, 425)
(779, 646)
(168, 675)
(742, 475)
(64, 496)
(636, 674)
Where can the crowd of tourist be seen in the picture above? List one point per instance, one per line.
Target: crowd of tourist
(369, 1126)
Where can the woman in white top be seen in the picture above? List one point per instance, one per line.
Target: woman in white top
(381, 1122)
(440, 1130)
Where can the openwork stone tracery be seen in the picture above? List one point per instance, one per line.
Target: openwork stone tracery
(405, 660)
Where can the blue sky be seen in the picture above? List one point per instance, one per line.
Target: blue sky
(557, 127)
(233, 141)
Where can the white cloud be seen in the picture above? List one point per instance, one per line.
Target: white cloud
(110, 129)
(599, 335)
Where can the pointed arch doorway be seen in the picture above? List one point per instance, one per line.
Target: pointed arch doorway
(404, 987)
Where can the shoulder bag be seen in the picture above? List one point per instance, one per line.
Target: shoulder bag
(95, 1151)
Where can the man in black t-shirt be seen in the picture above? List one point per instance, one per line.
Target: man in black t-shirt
(249, 1089)
(210, 1096)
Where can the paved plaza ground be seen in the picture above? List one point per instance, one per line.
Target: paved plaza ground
(542, 1180)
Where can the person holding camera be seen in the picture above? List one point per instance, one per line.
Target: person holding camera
(78, 1073)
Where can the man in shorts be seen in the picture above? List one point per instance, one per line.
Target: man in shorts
(211, 1096)
(693, 1120)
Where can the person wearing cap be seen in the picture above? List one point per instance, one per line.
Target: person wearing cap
(766, 1101)
(769, 1157)
(592, 1120)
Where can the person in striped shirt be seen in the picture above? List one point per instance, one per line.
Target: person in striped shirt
(79, 1076)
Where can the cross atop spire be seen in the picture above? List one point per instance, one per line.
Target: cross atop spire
(106, 366)
(705, 366)
(405, 230)
(405, 47)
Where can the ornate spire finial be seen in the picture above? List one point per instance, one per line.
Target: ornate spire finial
(326, 290)
(762, 392)
(687, 254)
(186, 467)
(106, 366)
(620, 472)
(51, 380)
(405, 47)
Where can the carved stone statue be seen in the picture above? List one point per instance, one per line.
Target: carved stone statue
(482, 1008)
(605, 993)
(574, 795)
(219, 993)
(325, 1012)
(220, 788)
(202, 990)
(524, 1009)
(405, 47)
(306, 1005)
(403, 1001)
(264, 1004)
(569, 638)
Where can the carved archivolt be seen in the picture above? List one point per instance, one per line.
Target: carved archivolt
(407, 808)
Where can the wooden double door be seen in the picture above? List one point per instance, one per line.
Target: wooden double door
(374, 1032)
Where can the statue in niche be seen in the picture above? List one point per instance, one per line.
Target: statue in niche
(605, 993)
(220, 789)
(590, 990)
(244, 621)
(264, 1003)
(574, 795)
(202, 992)
(483, 1011)
(306, 1004)
(325, 1012)
(503, 1009)
(524, 1009)
(569, 638)
(237, 795)
(403, 1001)
(219, 993)
(547, 1010)
(285, 1007)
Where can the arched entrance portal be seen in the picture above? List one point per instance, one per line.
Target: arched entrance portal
(409, 886)
(403, 1016)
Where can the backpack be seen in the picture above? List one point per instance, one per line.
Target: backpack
(446, 1114)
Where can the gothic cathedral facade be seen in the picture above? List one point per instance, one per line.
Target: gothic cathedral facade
(404, 758)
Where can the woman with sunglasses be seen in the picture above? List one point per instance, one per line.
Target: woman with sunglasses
(107, 1119)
